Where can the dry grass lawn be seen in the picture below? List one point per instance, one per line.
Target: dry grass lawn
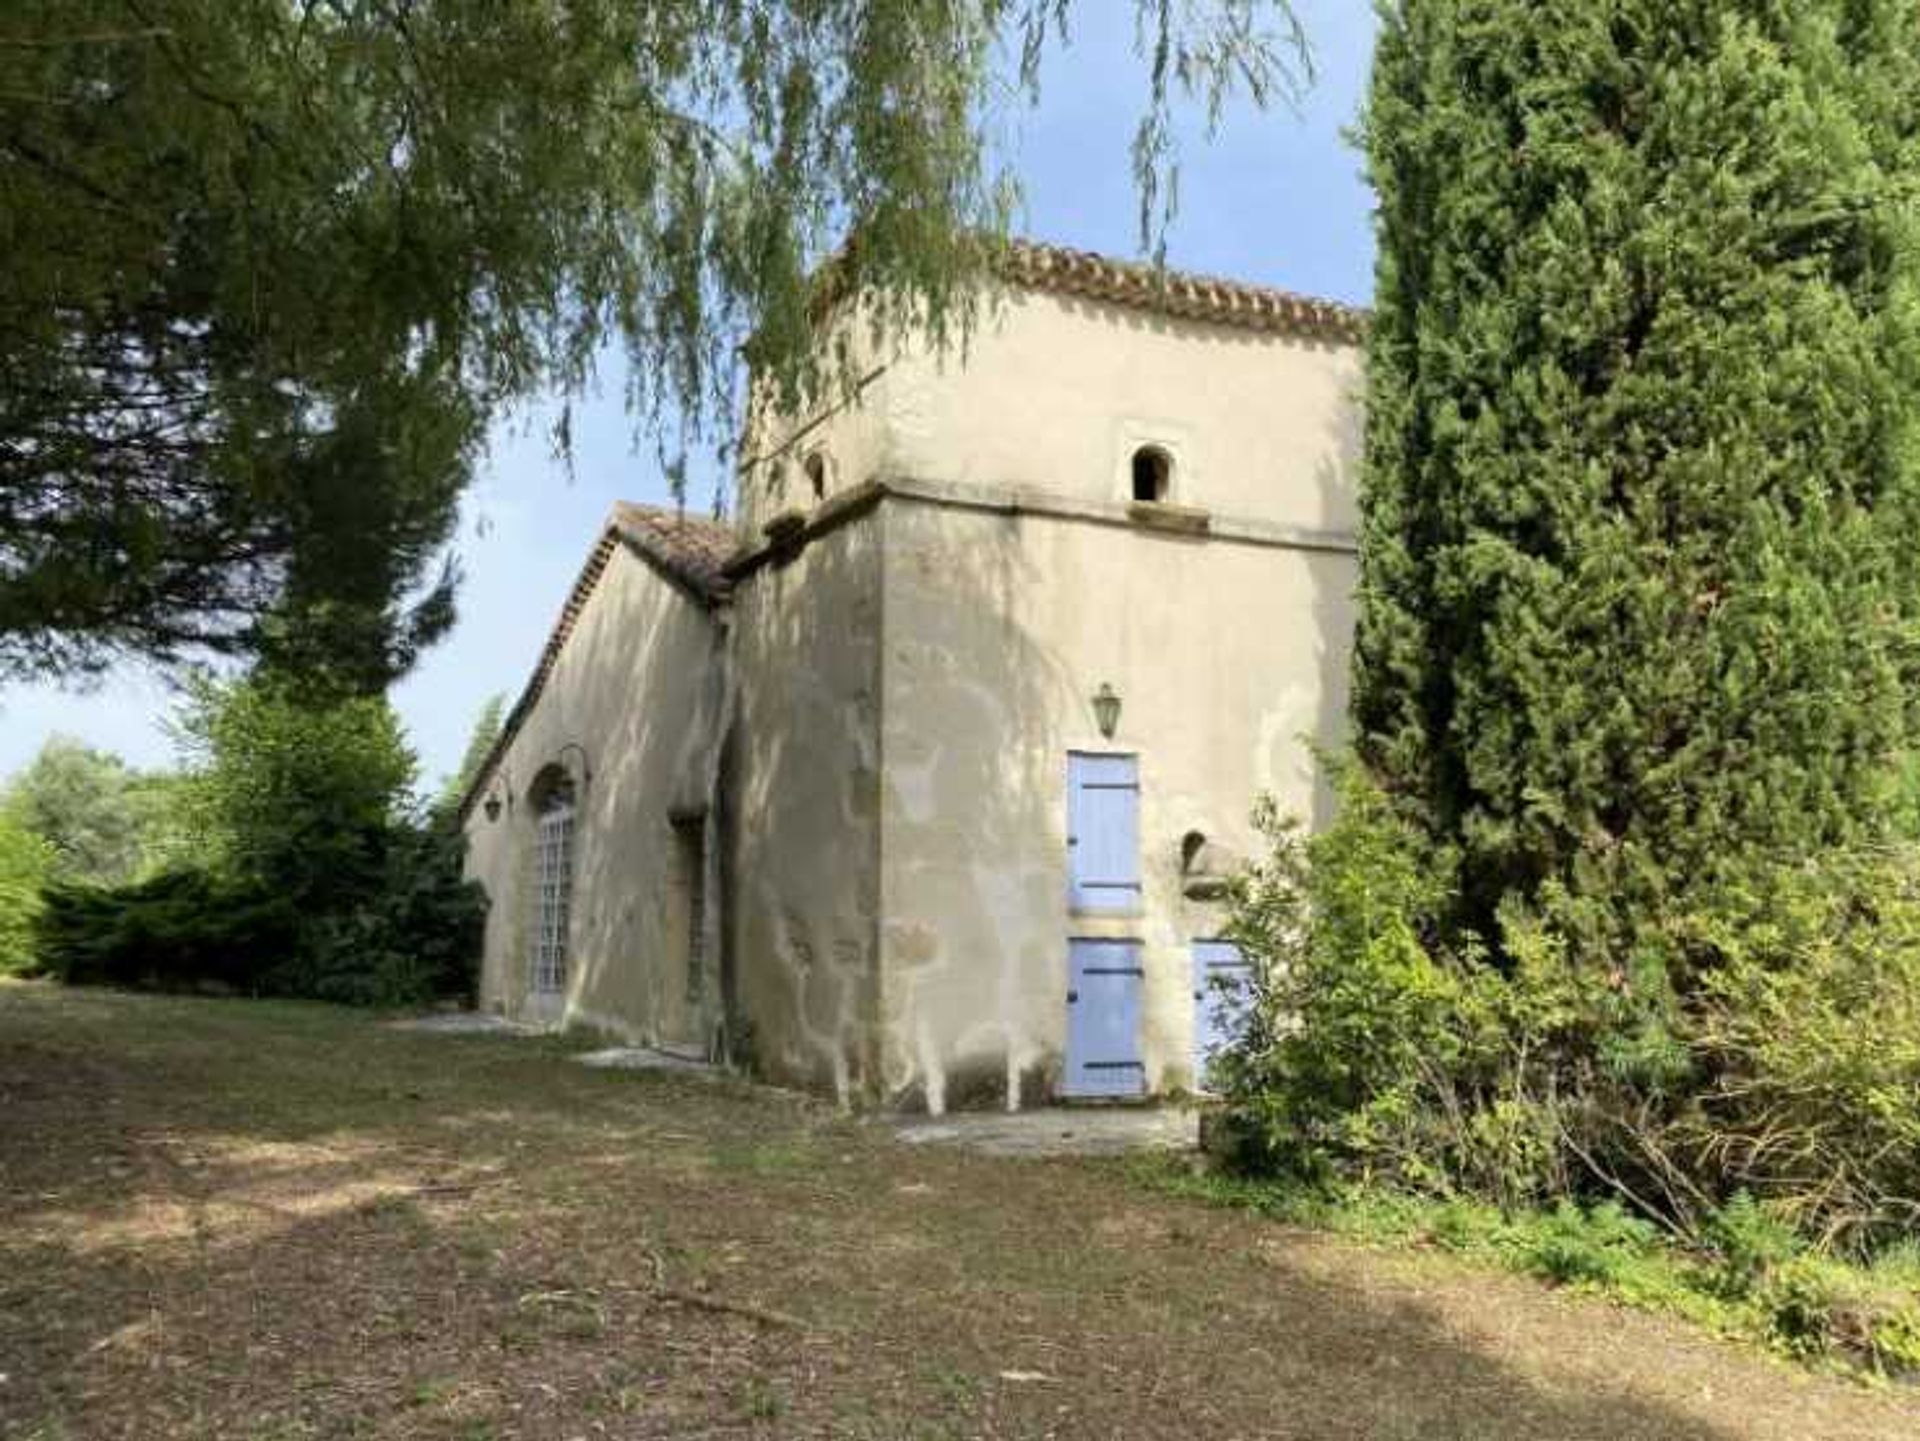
(229, 1219)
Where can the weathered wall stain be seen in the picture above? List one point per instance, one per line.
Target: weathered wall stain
(884, 710)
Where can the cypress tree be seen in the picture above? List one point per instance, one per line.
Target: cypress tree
(1638, 602)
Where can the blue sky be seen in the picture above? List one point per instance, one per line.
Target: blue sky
(1275, 197)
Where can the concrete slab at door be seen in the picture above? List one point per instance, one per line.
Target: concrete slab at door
(1213, 1007)
(1104, 984)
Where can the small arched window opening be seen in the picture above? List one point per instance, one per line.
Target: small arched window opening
(552, 798)
(816, 468)
(1152, 473)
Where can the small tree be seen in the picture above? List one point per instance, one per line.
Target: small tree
(293, 792)
(84, 804)
(26, 860)
(486, 732)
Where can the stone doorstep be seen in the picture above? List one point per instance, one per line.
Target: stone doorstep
(1056, 1131)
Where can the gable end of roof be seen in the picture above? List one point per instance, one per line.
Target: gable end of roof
(688, 552)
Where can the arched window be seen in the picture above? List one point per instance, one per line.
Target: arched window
(1152, 473)
(552, 797)
(816, 468)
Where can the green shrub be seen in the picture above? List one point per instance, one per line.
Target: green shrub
(1798, 1303)
(1894, 1341)
(1748, 1245)
(178, 930)
(410, 937)
(25, 862)
(415, 936)
(1806, 1026)
(1599, 1247)
(1753, 1081)
(1369, 1055)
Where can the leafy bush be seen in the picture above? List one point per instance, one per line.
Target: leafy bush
(410, 938)
(25, 862)
(294, 864)
(1754, 1076)
(1748, 1245)
(1368, 1054)
(178, 930)
(414, 937)
(1600, 1246)
(1806, 1032)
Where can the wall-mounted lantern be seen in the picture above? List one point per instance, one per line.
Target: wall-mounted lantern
(1106, 710)
(491, 806)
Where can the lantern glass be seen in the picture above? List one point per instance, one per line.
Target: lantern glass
(1106, 710)
(492, 807)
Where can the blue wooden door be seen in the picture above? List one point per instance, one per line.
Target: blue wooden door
(1216, 964)
(1103, 1019)
(1103, 832)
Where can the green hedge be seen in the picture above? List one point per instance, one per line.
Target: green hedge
(411, 933)
(179, 930)
(1773, 1052)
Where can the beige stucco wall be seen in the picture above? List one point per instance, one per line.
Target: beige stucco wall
(640, 688)
(938, 653)
(887, 711)
(848, 428)
(1227, 657)
(803, 768)
(1056, 394)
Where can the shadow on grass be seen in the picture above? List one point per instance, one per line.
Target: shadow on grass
(286, 1222)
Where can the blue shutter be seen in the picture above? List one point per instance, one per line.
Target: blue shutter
(1103, 832)
(1103, 1019)
(1217, 967)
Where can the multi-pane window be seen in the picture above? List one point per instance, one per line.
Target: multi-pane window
(553, 893)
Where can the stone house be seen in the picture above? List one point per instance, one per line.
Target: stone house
(916, 781)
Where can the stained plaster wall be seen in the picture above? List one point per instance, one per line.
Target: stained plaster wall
(1228, 655)
(899, 919)
(999, 627)
(640, 687)
(850, 431)
(1056, 393)
(803, 767)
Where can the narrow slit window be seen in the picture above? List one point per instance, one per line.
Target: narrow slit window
(816, 468)
(690, 849)
(1152, 473)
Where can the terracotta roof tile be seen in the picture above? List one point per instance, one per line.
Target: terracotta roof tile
(689, 550)
(1035, 265)
(1173, 292)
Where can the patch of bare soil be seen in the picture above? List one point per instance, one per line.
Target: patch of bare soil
(228, 1219)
